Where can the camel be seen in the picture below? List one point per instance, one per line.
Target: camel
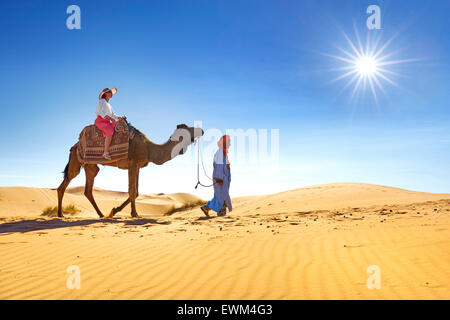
(140, 153)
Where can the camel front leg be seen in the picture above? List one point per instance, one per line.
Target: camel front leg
(133, 172)
(119, 208)
(126, 202)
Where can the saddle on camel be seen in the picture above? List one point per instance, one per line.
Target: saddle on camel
(91, 144)
(118, 144)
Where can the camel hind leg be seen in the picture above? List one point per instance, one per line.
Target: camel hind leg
(91, 171)
(71, 171)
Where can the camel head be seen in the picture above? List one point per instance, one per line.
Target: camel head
(193, 132)
(185, 135)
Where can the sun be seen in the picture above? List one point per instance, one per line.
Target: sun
(366, 66)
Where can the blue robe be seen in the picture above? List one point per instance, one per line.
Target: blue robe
(221, 192)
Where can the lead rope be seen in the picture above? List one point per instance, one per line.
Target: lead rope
(198, 167)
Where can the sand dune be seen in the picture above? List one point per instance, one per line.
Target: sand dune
(22, 201)
(336, 196)
(309, 243)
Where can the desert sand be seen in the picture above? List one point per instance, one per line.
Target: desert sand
(310, 243)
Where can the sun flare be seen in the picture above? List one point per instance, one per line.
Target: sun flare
(367, 67)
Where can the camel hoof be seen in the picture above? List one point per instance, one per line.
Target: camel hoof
(112, 213)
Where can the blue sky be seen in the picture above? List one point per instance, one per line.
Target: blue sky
(230, 64)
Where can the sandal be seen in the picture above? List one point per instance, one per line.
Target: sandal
(107, 156)
(205, 210)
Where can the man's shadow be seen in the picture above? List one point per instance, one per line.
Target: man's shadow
(24, 226)
(207, 218)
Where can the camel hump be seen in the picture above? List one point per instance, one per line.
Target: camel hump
(91, 144)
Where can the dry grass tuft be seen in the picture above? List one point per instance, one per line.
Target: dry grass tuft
(71, 209)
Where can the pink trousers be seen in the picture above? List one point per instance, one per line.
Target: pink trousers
(106, 126)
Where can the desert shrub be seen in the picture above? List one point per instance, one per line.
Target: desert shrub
(50, 212)
(71, 209)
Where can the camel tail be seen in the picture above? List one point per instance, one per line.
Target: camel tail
(66, 169)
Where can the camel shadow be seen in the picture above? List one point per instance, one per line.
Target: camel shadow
(24, 226)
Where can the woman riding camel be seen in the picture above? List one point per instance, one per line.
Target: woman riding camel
(106, 118)
(222, 179)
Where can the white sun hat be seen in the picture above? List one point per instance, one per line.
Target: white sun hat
(113, 92)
